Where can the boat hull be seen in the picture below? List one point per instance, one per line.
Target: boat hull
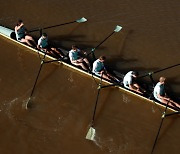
(10, 34)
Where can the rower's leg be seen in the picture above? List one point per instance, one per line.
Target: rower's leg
(56, 51)
(112, 77)
(105, 76)
(87, 62)
(26, 41)
(175, 104)
(139, 88)
(135, 87)
(81, 64)
(29, 38)
(171, 103)
(84, 67)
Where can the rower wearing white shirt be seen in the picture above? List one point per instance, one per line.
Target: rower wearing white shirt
(100, 70)
(129, 82)
(160, 94)
(77, 59)
(44, 46)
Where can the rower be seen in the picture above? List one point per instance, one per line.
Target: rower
(43, 45)
(77, 57)
(100, 70)
(129, 82)
(22, 36)
(160, 94)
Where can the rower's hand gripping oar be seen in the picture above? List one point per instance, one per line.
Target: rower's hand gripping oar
(91, 132)
(42, 62)
(117, 29)
(81, 20)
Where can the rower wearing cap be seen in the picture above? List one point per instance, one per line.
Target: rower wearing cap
(100, 70)
(78, 59)
(130, 83)
(21, 34)
(160, 94)
(44, 46)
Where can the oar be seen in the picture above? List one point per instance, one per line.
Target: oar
(81, 20)
(170, 114)
(117, 29)
(159, 128)
(152, 80)
(111, 85)
(150, 73)
(42, 62)
(91, 132)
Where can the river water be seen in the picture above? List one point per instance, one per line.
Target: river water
(63, 101)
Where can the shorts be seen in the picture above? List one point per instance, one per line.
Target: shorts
(157, 98)
(126, 86)
(97, 74)
(19, 38)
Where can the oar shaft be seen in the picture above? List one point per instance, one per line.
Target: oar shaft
(152, 80)
(104, 39)
(36, 79)
(58, 25)
(170, 114)
(151, 73)
(166, 68)
(93, 50)
(159, 129)
(42, 62)
(97, 98)
(40, 29)
(94, 113)
(157, 135)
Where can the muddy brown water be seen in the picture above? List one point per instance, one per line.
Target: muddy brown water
(63, 101)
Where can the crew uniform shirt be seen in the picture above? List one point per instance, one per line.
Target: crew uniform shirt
(98, 66)
(128, 79)
(159, 90)
(43, 42)
(74, 55)
(20, 33)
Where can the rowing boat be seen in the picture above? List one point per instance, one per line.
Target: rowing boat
(10, 34)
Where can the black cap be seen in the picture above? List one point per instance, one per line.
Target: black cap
(44, 34)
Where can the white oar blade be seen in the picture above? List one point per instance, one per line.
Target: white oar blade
(91, 134)
(81, 20)
(118, 28)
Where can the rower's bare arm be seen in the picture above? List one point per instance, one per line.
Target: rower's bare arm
(18, 27)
